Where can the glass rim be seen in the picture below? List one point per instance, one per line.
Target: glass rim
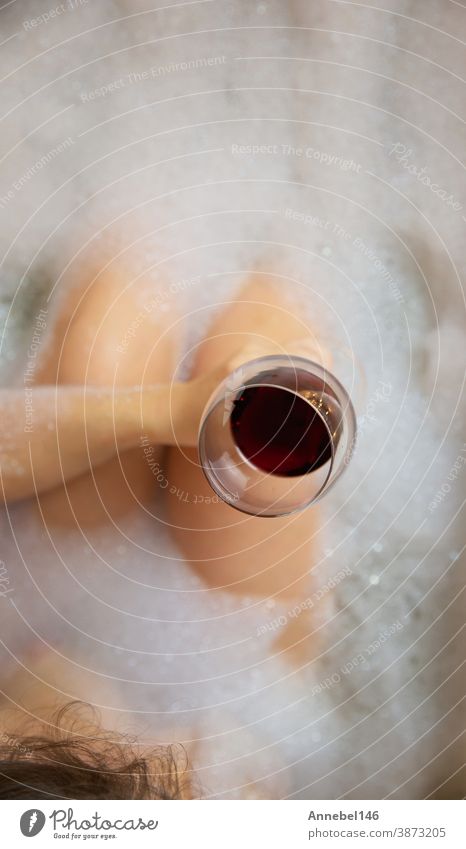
(294, 392)
(347, 408)
(297, 362)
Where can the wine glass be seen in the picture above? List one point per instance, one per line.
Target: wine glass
(276, 435)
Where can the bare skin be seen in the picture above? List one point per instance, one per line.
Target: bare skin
(90, 469)
(230, 550)
(97, 391)
(101, 390)
(95, 398)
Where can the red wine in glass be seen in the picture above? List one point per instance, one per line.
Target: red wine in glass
(280, 432)
(276, 435)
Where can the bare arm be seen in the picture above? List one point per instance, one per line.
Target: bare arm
(54, 434)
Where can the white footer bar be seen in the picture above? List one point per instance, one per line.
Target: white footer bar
(233, 824)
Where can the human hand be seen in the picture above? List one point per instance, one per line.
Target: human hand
(190, 399)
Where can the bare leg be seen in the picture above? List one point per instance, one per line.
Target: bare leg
(109, 334)
(232, 551)
(90, 345)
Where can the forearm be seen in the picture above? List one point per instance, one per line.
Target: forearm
(58, 433)
(55, 434)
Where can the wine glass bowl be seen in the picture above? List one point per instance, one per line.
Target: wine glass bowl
(276, 435)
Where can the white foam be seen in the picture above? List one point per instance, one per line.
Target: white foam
(121, 601)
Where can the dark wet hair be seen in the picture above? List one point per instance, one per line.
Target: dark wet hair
(78, 760)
